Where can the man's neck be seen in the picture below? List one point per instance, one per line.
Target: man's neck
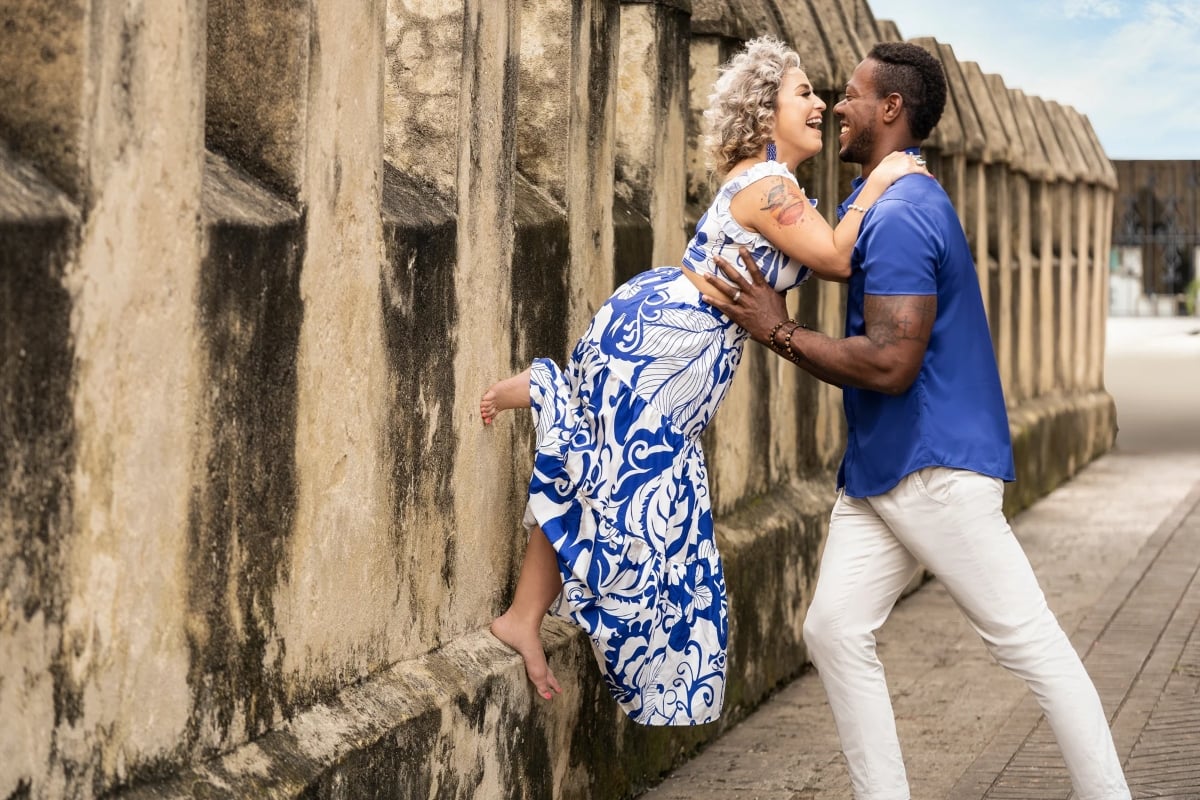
(884, 152)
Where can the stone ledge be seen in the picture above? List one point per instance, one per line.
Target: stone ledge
(462, 722)
(1053, 438)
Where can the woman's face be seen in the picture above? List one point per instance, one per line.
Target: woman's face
(798, 117)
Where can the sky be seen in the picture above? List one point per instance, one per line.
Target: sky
(1132, 66)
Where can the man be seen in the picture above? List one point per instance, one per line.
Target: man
(927, 451)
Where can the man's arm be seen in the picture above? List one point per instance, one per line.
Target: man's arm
(886, 359)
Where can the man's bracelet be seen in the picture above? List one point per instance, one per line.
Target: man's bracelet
(775, 330)
(787, 342)
(785, 349)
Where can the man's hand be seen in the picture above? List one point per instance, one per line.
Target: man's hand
(752, 304)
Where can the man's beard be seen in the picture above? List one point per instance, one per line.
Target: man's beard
(858, 149)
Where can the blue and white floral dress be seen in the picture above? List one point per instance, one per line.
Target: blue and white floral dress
(619, 482)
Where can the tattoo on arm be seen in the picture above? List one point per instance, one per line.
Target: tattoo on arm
(894, 319)
(785, 204)
(887, 359)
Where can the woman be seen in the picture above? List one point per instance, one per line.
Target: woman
(619, 513)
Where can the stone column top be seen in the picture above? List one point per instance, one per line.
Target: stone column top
(735, 19)
(1016, 153)
(1037, 160)
(997, 141)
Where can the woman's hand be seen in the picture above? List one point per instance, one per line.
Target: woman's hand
(896, 165)
(753, 303)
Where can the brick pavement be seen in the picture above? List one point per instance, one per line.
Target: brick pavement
(1141, 645)
(1118, 553)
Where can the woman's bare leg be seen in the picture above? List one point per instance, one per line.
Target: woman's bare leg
(519, 626)
(509, 393)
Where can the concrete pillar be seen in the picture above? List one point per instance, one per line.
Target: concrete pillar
(706, 53)
(830, 59)
(1001, 272)
(1068, 124)
(973, 202)
(340, 552)
(652, 104)
(1058, 258)
(1102, 181)
(135, 290)
(1074, 284)
(426, 116)
(1046, 209)
(1102, 231)
(1030, 239)
(1006, 222)
(565, 142)
(94, 84)
(1067, 265)
(486, 151)
(1026, 344)
(951, 141)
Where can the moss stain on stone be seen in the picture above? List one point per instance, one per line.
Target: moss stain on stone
(241, 510)
(420, 317)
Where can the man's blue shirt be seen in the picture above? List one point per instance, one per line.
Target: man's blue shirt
(911, 243)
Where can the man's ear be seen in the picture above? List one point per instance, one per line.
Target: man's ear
(893, 107)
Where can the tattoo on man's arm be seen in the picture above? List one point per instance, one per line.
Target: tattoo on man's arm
(892, 319)
(785, 204)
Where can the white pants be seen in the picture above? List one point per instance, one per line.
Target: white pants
(952, 522)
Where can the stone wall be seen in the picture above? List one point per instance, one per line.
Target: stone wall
(257, 262)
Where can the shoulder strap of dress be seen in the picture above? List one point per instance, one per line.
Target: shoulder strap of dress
(760, 170)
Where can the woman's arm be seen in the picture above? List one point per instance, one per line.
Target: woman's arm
(778, 209)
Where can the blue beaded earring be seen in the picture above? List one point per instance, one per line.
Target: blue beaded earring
(771, 151)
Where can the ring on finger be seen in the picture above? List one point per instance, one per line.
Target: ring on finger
(735, 297)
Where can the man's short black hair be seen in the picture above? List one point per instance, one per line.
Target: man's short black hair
(916, 75)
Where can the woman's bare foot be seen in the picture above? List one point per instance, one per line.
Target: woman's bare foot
(509, 393)
(527, 643)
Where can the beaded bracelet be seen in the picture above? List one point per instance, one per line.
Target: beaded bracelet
(787, 342)
(856, 207)
(775, 330)
(785, 349)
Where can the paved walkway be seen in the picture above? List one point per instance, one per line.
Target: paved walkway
(1141, 644)
(1117, 551)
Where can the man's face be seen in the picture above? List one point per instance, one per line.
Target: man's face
(856, 112)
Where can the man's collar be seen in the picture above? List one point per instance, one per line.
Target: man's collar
(856, 184)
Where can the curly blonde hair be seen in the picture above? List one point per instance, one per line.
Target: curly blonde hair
(741, 109)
